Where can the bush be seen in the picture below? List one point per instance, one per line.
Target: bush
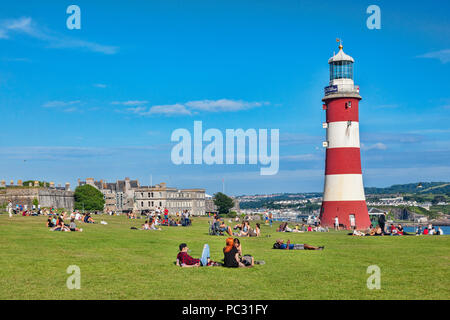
(232, 214)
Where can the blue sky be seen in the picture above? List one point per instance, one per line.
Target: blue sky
(103, 101)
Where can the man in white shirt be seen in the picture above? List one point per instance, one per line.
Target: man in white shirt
(336, 223)
(10, 208)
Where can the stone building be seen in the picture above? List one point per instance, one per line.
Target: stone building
(51, 196)
(129, 196)
(175, 200)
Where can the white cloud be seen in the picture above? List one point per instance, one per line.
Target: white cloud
(442, 55)
(174, 109)
(58, 104)
(100, 85)
(25, 25)
(376, 146)
(188, 108)
(301, 157)
(223, 105)
(130, 102)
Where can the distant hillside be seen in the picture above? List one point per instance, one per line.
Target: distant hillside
(420, 187)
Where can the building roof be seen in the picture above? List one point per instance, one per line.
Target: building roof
(340, 56)
(376, 211)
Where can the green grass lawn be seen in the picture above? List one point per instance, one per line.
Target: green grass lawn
(119, 263)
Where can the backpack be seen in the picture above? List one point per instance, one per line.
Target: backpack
(276, 245)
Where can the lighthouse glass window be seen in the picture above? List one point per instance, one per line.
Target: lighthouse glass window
(341, 70)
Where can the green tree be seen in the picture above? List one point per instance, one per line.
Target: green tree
(223, 202)
(35, 202)
(88, 198)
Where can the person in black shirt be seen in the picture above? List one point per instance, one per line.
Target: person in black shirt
(231, 255)
(382, 221)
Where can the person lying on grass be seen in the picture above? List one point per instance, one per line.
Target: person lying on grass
(298, 246)
(185, 260)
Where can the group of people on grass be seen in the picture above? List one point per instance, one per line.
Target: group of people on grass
(397, 230)
(429, 230)
(161, 217)
(241, 229)
(233, 256)
(56, 223)
(151, 224)
(284, 227)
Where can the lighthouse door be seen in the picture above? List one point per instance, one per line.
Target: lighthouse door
(352, 221)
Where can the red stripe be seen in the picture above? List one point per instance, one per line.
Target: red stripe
(337, 110)
(343, 209)
(343, 161)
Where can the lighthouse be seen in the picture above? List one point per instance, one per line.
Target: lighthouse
(343, 195)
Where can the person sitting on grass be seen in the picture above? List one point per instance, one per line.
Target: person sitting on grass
(59, 225)
(400, 230)
(185, 260)
(73, 226)
(298, 246)
(146, 225)
(50, 224)
(87, 218)
(247, 259)
(238, 226)
(394, 231)
(245, 230)
(224, 228)
(153, 225)
(231, 257)
(419, 231)
(283, 226)
(256, 232)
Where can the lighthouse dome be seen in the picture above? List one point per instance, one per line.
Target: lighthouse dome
(340, 56)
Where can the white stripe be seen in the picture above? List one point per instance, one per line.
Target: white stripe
(343, 134)
(343, 187)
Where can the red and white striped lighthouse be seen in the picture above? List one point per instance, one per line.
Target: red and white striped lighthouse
(343, 195)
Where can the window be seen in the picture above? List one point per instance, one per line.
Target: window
(341, 70)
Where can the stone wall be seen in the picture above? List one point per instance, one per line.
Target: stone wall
(47, 197)
(56, 198)
(20, 196)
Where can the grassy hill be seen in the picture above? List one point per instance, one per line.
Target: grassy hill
(119, 263)
(420, 187)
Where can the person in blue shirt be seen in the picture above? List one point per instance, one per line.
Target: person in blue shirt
(297, 246)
